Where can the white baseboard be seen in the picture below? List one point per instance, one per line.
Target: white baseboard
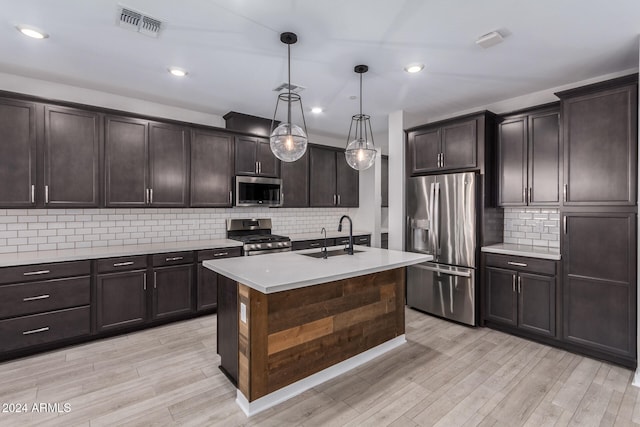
(636, 378)
(285, 393)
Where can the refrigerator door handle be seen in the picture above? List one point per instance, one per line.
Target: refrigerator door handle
(443, 271)
(436, 217)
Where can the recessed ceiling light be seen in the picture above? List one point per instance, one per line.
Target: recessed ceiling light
(414, 68)
(178, 72)
(32, 32)
(316, 110)
(490, 39)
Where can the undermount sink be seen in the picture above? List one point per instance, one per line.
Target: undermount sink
(334, 252)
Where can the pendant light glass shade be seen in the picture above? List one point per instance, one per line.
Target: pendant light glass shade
(360, 153)
(288, 141)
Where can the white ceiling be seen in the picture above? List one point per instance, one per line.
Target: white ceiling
(232, 51)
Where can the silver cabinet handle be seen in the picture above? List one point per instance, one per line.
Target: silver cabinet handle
(438, 161)
(144, 281)
(281, 198)
(46, 194)
(221, 254)
(122, 264)
(314, 245)
(230, 197)
(513, 283)
(39, 297)
(565, 190)
(146, 196)
(339, 202)
(519, 264)
(36, 273)
(151, 196)
(35, 331)
(443, 271)
(519, 284)
(256, 167)
(524, 195)
(33, 193)
(529, 198)
(564, 224)
(259, 167)
(175, 258)
(155, 279)
(335, 200)
(363, 239)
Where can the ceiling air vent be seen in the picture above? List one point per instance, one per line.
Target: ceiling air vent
(285, 86)
(138, 22)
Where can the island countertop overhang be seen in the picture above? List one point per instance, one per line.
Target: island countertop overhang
(292, 270)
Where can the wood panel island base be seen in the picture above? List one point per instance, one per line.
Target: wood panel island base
(328, 316)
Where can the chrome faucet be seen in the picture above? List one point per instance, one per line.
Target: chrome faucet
(324, 245)
(349, 249)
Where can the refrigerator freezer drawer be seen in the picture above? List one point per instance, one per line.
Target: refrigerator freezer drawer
(442, 290)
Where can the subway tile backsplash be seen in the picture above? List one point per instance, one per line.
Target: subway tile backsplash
(49, 229)
(532, 226)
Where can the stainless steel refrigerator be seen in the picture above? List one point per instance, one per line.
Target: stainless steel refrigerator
(441, 221)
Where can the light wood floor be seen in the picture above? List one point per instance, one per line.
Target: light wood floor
(447, 375)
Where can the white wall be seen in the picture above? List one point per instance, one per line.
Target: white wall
(396, 209)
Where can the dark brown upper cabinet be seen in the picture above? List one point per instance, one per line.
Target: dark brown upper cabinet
(295, 182)
(146, 163)
(211, 169)
(17, 154)
(529, 156)
(600, 125)
(126, 166)
(384, 177)
(443, 147)
(71, 157)
(169, 159)
(254, 157)
(332, 182)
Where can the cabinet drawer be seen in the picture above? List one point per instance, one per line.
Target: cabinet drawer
(362, 240)
(219, 253)
(311, 244)
(37, 297)
(25, 273)
(531, 265)
(44, 328)
(172, 258)
(121, 264)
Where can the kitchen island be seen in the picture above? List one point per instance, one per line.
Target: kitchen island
(304, 320)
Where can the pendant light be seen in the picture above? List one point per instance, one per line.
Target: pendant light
(361, 151)
(288, 141)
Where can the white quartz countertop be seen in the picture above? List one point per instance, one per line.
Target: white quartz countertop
(523, 250)
(39, 257)
(331, 234)
(292, 270)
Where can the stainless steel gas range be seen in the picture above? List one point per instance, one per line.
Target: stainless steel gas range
(255, 234)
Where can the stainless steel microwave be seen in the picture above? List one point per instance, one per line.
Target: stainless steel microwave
(258, 191)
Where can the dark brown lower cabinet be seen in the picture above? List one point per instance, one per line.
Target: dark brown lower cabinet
(599, 286)
(207, 289)
(227, 336)
(121, 300)
(518, 297)
(172, 291)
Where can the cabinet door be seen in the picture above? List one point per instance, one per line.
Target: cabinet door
(126, 162)
(600, 147)
(384, 176)
(544, 159)
(459, 143)
(599, 286)
(211, 169)
(172, 291)
(207, 288)
(246, 155)
(295, 182)
(17, 153)
(347, 183)
(227, 336)
(512, 161)
(121, 300)
(501, 296)
(322, 177)
(269, 164)
(168, 165)
(424, 151)
(537, 303)
(71, 135)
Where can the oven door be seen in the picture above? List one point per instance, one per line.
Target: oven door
(442, 290)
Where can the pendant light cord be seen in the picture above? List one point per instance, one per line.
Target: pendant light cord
(289, 85)
(360, 143)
